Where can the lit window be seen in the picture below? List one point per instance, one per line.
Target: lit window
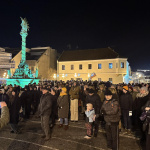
(110, 80)
(89, 66)
(110, 65)
(99, 66)
(72, 67)
(63, 67)
(122, 64)
(80, 67)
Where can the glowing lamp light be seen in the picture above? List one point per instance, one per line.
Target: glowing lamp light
(54, 76)
(63, 75)
(88, 74)
(75, 75)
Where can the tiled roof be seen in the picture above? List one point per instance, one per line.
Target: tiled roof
(89, 54)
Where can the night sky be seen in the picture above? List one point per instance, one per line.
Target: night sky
(123, 25)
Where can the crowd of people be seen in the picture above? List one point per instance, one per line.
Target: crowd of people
(117, 108)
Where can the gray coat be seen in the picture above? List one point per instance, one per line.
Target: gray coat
(63, 106)
(45, 106)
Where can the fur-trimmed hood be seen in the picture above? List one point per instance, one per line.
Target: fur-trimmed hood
(142, 95)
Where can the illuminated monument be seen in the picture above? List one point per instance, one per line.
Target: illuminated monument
(23, 75)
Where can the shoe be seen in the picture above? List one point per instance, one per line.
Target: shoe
(12, 131)
(87, 137)
(76, 121)
(66, 127)
(47, 138)
(43, 136)
(129, 132)
(60, 125)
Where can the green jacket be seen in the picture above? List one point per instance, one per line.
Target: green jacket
(4, 117)
(74, 92)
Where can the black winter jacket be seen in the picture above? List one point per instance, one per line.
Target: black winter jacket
(95, 101)
(126, 101)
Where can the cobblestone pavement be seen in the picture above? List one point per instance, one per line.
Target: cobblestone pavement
(72, 139)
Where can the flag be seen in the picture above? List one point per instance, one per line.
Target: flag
(92, 75)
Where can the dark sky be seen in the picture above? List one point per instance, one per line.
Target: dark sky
(123, 25)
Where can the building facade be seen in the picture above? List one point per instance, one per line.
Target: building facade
(42, 59)
(5, 64)
(102, 64)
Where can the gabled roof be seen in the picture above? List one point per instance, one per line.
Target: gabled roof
(89, 54)
(35, 54)
(13, 51)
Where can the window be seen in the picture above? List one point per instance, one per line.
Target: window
(110, 65)
(63, 67)
(110, 80)
(80, 67)
(122, 64)
(89, 66)
(99, 66)
(72, 67)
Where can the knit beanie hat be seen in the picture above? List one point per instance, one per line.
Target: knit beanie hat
(126, 88)
(108, 92)
(91, 91)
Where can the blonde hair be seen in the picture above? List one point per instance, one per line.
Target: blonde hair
(89, 105)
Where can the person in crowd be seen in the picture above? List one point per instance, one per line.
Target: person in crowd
(14, 108)
(101, 92)
(63, 108)
(146, 124)
(111, 111)
(90, 117)
(114, 92)
(95, 100)
(3, 96)
(54, 113)
(36, 99)
(139, 102)
(44, 110)
(74, 96)
(4, 119)
(126, 103)
(136, 90)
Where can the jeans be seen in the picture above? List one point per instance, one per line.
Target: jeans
(66, 121)
(14, 127)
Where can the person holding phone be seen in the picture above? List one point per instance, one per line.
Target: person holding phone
(4, 114)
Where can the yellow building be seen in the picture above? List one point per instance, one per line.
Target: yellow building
(105, 63)
(42, 58)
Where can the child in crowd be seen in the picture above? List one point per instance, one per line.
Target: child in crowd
(90, 117)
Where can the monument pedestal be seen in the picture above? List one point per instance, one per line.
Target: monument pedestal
(22, 82)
